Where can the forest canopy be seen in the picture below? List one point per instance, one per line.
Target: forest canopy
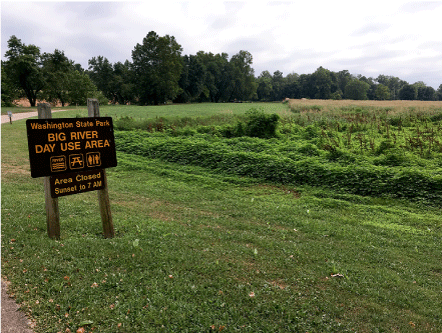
(159, 73)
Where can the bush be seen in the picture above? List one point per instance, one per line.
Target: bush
(310, 132)
(337, 155)
(124, 124)
(309, 150)
(384, 147)
(260, 124)
(391, 159)
(437, 117)
(337, 95)
(395, 121)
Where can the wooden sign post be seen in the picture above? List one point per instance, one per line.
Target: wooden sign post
(71, 154)
(103, 194)
(52, 213)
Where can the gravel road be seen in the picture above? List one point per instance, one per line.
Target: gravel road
(22, 115)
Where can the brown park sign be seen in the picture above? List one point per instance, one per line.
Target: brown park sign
(69, 145)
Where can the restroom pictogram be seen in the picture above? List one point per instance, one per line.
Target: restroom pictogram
(93, 159)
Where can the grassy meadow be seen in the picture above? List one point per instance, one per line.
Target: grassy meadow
(326, 218)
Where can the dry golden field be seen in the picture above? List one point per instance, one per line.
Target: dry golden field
(397, 105)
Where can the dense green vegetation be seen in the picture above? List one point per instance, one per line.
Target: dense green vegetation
(50, 76)
(158, 73)
(357, 150)
(225, 222)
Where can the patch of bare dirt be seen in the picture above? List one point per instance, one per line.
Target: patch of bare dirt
(17, 170)
(18, 167)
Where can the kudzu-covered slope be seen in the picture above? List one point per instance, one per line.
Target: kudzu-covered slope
(274, 163)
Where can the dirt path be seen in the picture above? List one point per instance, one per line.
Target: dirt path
(23, 115)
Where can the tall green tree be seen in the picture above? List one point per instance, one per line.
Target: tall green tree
(343, 77)
(265, 87)
(322, 83)
(291, 88)
(192, 80)
(243, 76)
(424, 93)
(225, 81)
(101, 72)
(218, 76)
(123, 84)
(408, 92)
(439, 93)
(157, 66)
(24, 69)
(356, 89)
(308, 89)
(393, 83)
(82, 88)
(382, 92)
(427, 94)
(277, 85)
(371, 92)
(57, 69)
(64, 83)
(10, 92)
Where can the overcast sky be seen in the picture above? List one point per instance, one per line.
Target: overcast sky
(397, 38)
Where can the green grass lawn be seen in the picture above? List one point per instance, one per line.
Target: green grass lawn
(198, 250)
(178, 110)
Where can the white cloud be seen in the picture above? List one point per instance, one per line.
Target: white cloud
(371, 38)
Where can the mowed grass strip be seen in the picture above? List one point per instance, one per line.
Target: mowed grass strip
(153, 111)
(198, 252)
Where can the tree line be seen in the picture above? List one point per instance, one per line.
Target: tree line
(159, 73)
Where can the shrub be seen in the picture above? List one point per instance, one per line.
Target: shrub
(383, 147)
(337, 155)
(395, 121)
(124, 123)
(207, 129)
(309, 150)
(260, 124)
(337, 95)
(187, 131)
(228, 131)
(391, 159)
(310, 132)
(436, 117)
